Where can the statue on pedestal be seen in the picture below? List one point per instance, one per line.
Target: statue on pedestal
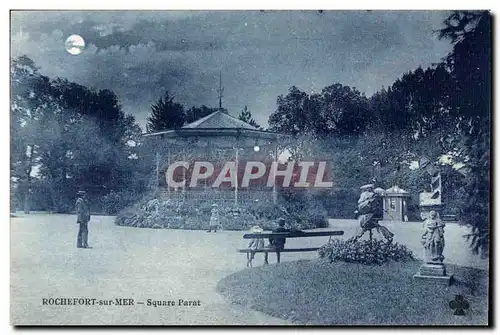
(433, 238)
(433, 268)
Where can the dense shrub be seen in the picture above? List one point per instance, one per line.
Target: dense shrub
(365, 251)
(195, 214)
(304, 209)
(153, 213)
(113, 202)
(264, 210)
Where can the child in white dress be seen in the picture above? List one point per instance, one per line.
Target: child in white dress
(255, 244)
(214, 219)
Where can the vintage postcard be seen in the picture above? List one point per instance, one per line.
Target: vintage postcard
(258, 167)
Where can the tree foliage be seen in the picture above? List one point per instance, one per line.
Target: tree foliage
(337, 110)
(293, 115)
(246, 116)
(166, 114)
(66, 137)
(29, 100)
(470, 66)
(441, 111)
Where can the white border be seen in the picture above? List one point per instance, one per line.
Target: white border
(195, 4)
(255, 4)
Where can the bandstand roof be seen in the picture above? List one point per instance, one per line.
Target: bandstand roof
(218, 123)
(218, 119)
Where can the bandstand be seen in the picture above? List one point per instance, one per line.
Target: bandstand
(217, 137)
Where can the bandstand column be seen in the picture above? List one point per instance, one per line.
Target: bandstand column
(157, 171)
(184, 174)
(168, 164)
(275, 195)
(236, 177)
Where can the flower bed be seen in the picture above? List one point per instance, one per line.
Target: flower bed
(175, 214)
(365, 251)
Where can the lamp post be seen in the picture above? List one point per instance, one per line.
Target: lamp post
(256, 148)
(275, 154)
(157, 171)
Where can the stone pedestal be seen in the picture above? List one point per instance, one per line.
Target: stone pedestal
(433, 273)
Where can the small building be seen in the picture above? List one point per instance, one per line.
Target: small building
(395, 204)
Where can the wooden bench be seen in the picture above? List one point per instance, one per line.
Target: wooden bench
(291, 234)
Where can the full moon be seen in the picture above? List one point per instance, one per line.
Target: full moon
(75, 44)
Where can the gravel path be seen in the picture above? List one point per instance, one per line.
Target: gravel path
(125, 262)
(142, 264)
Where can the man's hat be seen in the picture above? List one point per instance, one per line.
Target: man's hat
(81, 192)
(215, 205)
(281, 220)
(366, 187)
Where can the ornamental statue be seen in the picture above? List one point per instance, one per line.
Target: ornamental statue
(433, 238)
(368, 206)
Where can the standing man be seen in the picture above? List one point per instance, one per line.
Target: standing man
(82, 218)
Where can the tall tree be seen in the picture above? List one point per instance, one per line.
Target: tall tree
(294, 114)
(343, 111)
(246, 116)
(166, 114)
(470, 65)
(30, 100)
(66, 136)
(338, 110)
(416, 102)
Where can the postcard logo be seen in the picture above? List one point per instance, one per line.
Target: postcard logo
(304, 174)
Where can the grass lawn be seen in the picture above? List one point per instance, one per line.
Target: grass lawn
(316, 292)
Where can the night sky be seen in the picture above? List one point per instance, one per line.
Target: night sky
(140, 54)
